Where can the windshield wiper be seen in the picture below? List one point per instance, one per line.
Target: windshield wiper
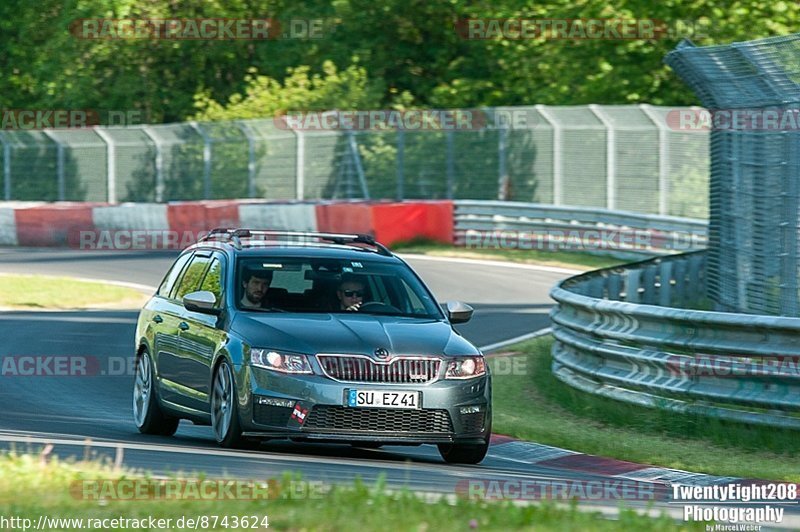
(268, 309)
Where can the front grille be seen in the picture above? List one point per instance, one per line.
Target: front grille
(400, 370)
(378, 420)
(271, 415)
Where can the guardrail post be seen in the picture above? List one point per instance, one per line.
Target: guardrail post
(663, 159)
(665, 278)
(159, 162)
(60, 162)
(558, 167)
(401, 154)
(251, 158)
(207, 141)
(614, 283)
(632, 284)
(6, 167)
(611, 157)
(111, 167)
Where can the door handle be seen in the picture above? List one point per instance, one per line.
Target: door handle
(157, 318)
(183, 326)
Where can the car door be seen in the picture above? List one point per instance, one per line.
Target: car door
(176, 371)
(202, 337)
(165, 316)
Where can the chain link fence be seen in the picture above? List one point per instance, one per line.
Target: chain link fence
(753, 91)
(613, 157)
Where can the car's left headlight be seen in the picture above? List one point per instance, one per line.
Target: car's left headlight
(277, 361)
(465, 367)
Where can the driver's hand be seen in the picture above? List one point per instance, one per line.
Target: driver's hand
(354, 307)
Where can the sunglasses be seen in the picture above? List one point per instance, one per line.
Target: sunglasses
(353, 293)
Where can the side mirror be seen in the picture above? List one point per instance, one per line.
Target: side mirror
(201, 301)
(458, 312)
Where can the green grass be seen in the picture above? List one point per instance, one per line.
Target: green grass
(43, 292)
(30, 487)
(569, 418)
(562, 259)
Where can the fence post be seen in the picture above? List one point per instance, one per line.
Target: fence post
(300, 171)
(663, 159)
(111, 168)
(558, 168)
(151, 134)
(62, 186)
(401, 154)
(450, 162)
(351, 138)
(206, 159)
(611, 156)
(6, 167)
(251, 158)
(503, 181)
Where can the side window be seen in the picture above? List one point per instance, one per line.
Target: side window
(213, 280)
(169, 279)
(192, 276)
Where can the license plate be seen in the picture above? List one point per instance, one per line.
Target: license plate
(383, 399)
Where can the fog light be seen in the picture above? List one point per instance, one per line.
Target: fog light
(272, 401)
(470, 409)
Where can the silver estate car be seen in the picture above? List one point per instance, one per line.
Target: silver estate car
(308, 336)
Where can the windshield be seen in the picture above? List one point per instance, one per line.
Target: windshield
(269, 284)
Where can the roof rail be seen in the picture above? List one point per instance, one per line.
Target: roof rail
(236, 236)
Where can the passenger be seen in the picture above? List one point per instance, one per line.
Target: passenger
(350, 293)
(255, 284)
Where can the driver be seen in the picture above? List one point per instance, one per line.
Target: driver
(350, 293)
(255, 284)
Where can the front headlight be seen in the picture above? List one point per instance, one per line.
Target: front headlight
(466, 368)
(283, 362)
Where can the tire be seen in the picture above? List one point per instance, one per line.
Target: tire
(147, 413)
(224, 410)
(461, 453)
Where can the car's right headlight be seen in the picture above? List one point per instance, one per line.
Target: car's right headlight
(276, 361)
(466, 367)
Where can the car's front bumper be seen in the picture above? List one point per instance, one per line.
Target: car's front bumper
(312, 407)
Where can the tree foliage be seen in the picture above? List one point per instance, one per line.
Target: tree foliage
(371, 54)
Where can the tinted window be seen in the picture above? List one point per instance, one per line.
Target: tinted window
(169, 279)
(328, 285)
(213, 280)
(192, 276)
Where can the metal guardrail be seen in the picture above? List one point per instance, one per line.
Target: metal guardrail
(516, 225)
(636, 334)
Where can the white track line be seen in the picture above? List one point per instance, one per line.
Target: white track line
(522, 338)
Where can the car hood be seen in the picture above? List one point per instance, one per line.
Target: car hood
(349, 333)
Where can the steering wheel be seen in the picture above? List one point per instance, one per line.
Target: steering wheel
(379, 306)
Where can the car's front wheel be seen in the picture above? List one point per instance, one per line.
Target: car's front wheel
(147, 413)
(224, 409)
(460, 453)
